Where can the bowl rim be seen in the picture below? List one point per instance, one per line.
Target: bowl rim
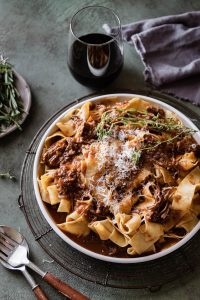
(51, 222)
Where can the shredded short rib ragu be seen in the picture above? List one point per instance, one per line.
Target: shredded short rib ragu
(98, 211)
(159, 212)
(121, 184)
(60, 152)
(68, 180)
(162, 155)
(65, 149)
(86, 130)
(153, 111)
(165, 154)
(187, 145)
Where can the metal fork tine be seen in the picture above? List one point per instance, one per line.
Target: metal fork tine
(7, 238)
(6, 244)
(4, 250)
(4, 257)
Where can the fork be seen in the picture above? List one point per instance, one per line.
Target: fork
(14, 255)
(6, 248)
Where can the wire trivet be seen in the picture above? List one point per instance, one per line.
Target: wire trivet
(150, 275)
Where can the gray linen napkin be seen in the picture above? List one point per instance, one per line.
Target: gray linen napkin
(170, 50)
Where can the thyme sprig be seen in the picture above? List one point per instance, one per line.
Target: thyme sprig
(136, 157)
(167, 124)
(185, 131)
(133, 118)
(11, 107)
(137, 119)
(104, 128)
(138, 153)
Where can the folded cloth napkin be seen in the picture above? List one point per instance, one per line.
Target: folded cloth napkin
(170, 50)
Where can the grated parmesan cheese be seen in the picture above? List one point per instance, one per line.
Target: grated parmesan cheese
(114, 156)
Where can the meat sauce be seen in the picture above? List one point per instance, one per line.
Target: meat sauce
(90, 242)
(107, 248)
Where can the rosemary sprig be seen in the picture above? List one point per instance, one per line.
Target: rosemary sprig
(11, 107)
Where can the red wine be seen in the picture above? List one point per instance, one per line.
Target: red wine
(95, 62)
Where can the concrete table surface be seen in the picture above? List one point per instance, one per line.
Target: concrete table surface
(33, 34)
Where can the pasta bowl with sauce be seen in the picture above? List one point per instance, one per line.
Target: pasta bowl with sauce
(117, 177)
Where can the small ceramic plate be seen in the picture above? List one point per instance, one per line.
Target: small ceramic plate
(25, 94)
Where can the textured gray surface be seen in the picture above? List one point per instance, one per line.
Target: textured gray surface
(33, 34)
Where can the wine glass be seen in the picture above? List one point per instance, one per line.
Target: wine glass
(95, 48)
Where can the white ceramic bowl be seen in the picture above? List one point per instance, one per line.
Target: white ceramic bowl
(51, 222)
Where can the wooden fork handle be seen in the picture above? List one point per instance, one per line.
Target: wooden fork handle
(64, 288)
(40, 295)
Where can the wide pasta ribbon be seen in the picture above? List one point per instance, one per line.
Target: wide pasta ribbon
(128, 224)
(131, 250)
(84, 112)
(45, 181)
(145, 237)
(149, 199)
(49, 193)
(54, 137)
(188, 161)
(76, 224)
(108, 231)
(188, 221)
(184, 194)
(137, 103)
(163, 175)
(68, 128)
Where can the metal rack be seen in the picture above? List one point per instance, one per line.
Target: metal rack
(150, 275)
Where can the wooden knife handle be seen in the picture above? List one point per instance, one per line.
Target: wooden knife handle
(64, 288)
(39, 293)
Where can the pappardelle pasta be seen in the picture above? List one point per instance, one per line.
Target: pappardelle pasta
(123, 176)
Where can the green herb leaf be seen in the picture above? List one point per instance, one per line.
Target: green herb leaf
(136, 156)
(11, 106)
(7, 175)
(104, 128)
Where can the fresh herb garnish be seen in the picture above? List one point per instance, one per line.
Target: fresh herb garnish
(7, 175)
(137, 153)
(11, 107)
(185, 131)
(133, 118)
(138, 119)
(155, 123)
(104, 128)
(136, 157)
